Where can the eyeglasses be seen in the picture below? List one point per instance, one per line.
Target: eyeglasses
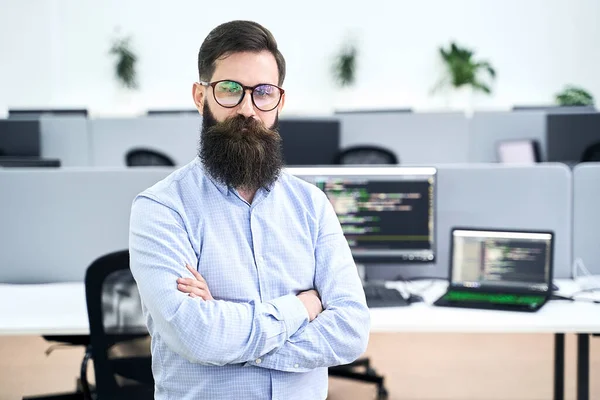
(229, 94)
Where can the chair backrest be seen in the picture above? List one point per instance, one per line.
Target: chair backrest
(591, 153)
(115, 317)
(366, 155)
(147, 158)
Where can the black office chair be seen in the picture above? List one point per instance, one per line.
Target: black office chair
(147, 158)
(591, 153)
(119, 343)
(367, 154)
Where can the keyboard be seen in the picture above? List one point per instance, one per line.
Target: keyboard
(381, 296)
(486, 301)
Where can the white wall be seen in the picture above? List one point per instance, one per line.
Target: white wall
(55, 52)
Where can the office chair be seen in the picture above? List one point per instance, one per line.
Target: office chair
(147, 158)
(591, 153)
(118, 346)
(366, 155)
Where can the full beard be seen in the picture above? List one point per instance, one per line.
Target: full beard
(240, 152)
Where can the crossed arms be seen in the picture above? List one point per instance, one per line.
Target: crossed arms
(282, 332)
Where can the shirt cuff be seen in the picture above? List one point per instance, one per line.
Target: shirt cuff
(291, 311)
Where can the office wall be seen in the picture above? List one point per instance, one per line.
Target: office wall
(59, 55)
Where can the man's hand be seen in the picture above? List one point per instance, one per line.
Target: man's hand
(312, 302)
(194, 287)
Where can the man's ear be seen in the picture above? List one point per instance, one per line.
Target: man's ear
(199, 95)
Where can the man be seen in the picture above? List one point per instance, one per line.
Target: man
(248, 286)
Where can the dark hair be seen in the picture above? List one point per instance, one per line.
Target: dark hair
(234, 37)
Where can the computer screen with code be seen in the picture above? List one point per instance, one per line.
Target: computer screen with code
(386, 214)
(501, 259)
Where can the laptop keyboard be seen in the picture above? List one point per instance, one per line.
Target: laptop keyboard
(491, 301)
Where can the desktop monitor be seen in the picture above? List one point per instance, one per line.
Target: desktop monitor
(37, 113)
(310, 141)
(568, 136)
(518, 152)
(387, 214)
(19, 138)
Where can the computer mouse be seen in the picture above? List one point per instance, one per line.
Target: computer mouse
(414, 298)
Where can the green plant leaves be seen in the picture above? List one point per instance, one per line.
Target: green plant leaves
(125, 64)
(463, 70)
(344, 66)
(574, 96)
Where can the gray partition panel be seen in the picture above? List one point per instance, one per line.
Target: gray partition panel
(497, 196)
(414, 137)
(488, 128)
(586, 215)
(66, 138)
(56, 222)
(175, 136)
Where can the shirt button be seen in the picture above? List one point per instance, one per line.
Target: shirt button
(296, 365)
(258, 360)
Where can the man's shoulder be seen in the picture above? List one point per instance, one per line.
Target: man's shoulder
(175, 185)
(301, 188)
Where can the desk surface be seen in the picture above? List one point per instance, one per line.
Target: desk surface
(53, 309)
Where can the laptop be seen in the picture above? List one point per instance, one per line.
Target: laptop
(499, 269)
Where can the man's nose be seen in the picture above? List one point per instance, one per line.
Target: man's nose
(246, 107)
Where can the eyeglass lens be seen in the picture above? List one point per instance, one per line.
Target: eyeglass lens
(228, 94)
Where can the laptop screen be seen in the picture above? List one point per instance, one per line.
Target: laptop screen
(501, 259)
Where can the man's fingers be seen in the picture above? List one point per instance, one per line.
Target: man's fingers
(195, 273)
(192, 282)
(194, 291)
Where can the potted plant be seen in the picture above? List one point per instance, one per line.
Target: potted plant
(344, 65)
(125, 64)
(343, 71)
(573, 95)
(464, 72)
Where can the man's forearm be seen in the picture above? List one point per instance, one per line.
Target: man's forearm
(338, 336)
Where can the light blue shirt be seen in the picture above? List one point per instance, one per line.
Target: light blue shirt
(254, 341)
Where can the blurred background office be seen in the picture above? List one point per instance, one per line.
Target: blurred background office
(499, 97)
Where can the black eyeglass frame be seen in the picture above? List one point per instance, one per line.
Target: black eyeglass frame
(245, 89)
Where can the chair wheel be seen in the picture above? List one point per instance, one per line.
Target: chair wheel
(382, 393)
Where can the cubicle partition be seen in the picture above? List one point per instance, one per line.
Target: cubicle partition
(487, 129)
(56, 222)
(66, 138)
(586, 215)
(174, 136)
(498, 196)
(416, 138)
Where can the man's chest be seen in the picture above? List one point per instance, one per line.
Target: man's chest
(257, 255)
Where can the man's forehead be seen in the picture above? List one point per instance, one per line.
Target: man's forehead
(248, 68)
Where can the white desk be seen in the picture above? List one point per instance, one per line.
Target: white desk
(47, 309)
(60, 309)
